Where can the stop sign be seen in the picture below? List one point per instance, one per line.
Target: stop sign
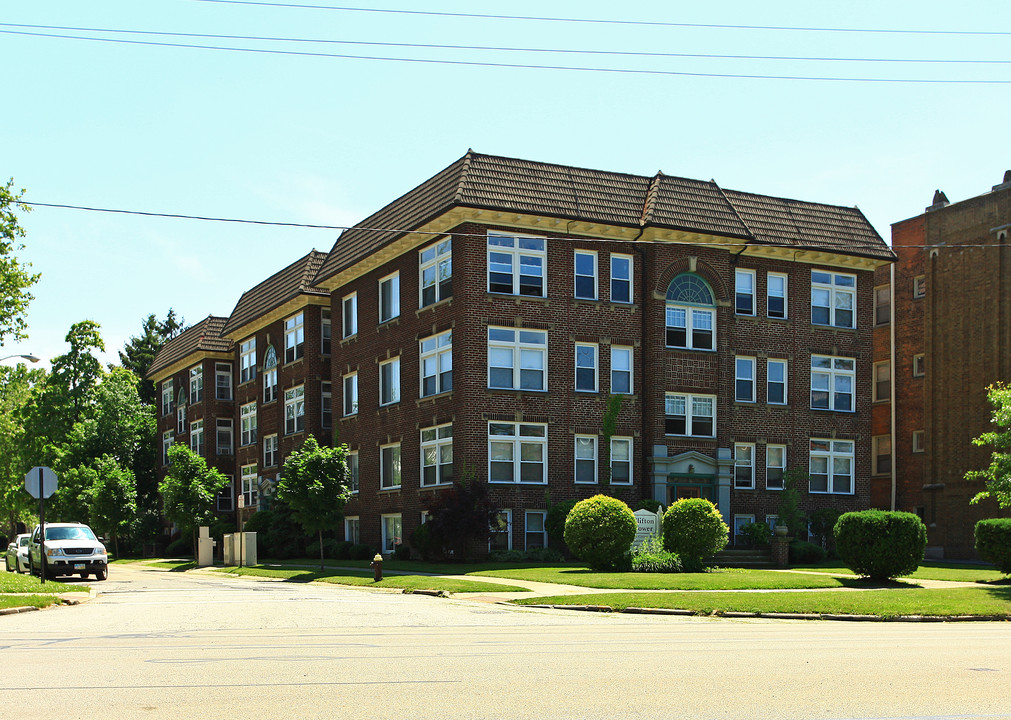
(40, 482)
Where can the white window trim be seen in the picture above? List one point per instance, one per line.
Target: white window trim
(834, 290)
(919, 365)
(294, 338)
(516, 253)
(768, 466)
(294, 398)
(349, 409)
(919, 441)
(631, 289)
(389, 386)
(577, 459)
(527, 532)
(167, 438)
(442, 256)
(690, 330)
(517, 440)
(352, 529)
(749, 362)
(834, 375)
(631, 457)
(616, 349)
(876, 453)
(325, 331)
(438, 443)
(740, 273)
(270, 444)
(247, 424)
(875, 397)
(247, 360)
(887, 292)
(689, 413)
(786, 295)
(592, 254)
(769, 382)
(349, 315)
(395, 483)
(595, 351)
(249, 483)
(738, 457)
(354, 472)
(168, 398)
(508, 532)
(516, 347)
(197, 437)
(393, 311)
(196, 376)
(223, 370)
(389, 543)
(219, 425)
(326, 404)
(830, 456)
(438, 353)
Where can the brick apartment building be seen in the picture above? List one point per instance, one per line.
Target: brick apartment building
(483, 320)
(952, 338)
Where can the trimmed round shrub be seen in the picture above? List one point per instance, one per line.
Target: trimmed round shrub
(599, 531)
(693, 529)
(880, 544)
(993, 542)
(805, 553)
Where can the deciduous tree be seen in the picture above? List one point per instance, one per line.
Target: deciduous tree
(998, 475)
(190, 489)
(15, 278)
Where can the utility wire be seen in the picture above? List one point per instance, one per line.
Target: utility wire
(495, 48)
(598, 21)
(525, 66)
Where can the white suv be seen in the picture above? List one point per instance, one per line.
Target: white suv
(70, 549)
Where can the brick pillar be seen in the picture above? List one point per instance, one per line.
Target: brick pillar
(781, 550)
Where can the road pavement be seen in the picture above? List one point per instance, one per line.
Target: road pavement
(158, 644)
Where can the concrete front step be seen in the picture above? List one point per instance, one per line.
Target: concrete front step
(750, 558)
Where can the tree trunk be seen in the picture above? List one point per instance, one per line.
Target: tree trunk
(321, 551)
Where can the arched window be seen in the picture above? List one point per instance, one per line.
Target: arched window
(691, 313)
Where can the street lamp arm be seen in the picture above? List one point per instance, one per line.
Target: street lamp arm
(29, 358)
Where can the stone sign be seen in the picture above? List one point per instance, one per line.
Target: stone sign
(648, 524)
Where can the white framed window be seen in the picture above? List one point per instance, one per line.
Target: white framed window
(882, 381)
(772, 521)
(196, 384)
(744, 466)
(168, 399)
(919, 441)
(326, 404)
(831, 466)
(225, 501)
(435, 269)
(181, 414)
(881, 450)
(833, 299)
(692, 415)
(516, 264)
(166, 443)
(247, 360)
(351, 394)
(586, 459)
(501, 537)
(247, 424)
(270, 385)
(832, 381)
(621, 461)
(744, 379)
(294, 410)
(621, 370)
(249, 485)
(919, 365)
(775, 466)
(919, 286)
(389, 467)
(775, 295)
(436, 356)
(437, 455)
(517, 359)
(389, 297)
(518, 453)
(223, 436)
(352, 529)
(325, 330)
(621, 278)
(393, 532)
(586, 367)
(585, 275)
(691, 314)
(270, 450)
(223, 381)
(775, 382)
(534, 530)
(197, 437)
(354, 471)
(389, 381)
(294, 338)
(350, 311)
(882, 305)
(744, 292)
(740, 520)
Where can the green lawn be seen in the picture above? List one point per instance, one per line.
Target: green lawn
(952, 572)
(990, 601)
(17, 583)
(41, 601)
(176, 565)
(366, 578)
(726, 579)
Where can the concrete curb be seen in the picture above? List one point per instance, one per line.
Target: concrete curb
(16, 610)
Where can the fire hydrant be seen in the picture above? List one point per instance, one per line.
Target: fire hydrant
(377, 566)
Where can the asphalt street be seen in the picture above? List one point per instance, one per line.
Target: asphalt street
(158, 644)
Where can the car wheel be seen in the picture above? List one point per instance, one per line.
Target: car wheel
(102, 574)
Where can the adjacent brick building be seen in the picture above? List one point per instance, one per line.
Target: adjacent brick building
(484, 320)
(951, 339)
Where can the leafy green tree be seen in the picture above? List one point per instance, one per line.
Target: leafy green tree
(78, 371)
(189, 490)
(15, 280)
(113, 499)
(140, 350)
(316, 485)
(16, 385)
(789, 513)
(998, 475)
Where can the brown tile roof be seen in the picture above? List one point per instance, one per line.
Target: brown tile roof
(279, 288)
(205, 336)
(507, 184)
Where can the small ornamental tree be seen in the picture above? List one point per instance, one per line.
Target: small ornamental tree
(998, 475)
(459, 519)
(316, 485)
(599, 531)
(189, 490)
(693, 529)
(880, 544)
(993, 542)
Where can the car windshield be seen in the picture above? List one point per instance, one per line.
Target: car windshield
(69, 533)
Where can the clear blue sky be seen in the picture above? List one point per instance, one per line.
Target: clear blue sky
(311, 139)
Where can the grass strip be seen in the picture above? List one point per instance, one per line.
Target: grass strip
(174, 565)
(988, 601)
(724, 579)
(17, 583)
(14, 601)
(366, 578)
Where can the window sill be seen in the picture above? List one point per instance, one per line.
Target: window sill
(296, 361)
(833, 327)
(438, 486)
(391, 322)
(516, 391)
(447, 395)
(687, 349)
(517, 484)
(436, 304)
(390, 490)
(494, 296)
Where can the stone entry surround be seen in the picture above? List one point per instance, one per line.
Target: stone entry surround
(693, 469)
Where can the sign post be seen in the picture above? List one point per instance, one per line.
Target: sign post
(41, 482)
(242, 504)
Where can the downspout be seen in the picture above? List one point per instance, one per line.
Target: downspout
(642, 353)
(893, 373)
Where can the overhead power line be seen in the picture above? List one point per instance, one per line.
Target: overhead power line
(525, 66)
(511, 49)
(602, 21)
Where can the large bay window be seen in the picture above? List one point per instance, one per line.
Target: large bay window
(691, 314)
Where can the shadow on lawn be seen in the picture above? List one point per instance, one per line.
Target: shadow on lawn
(862, 583)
